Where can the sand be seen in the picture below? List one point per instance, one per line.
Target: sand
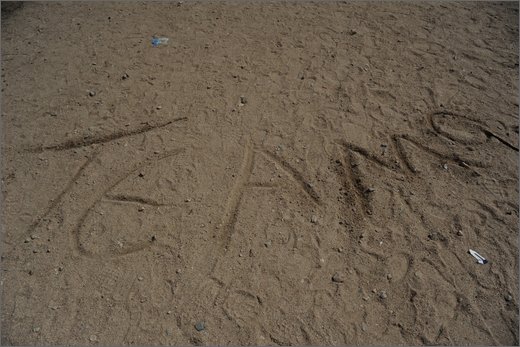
(275, 174)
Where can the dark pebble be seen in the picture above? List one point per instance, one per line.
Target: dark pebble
(200, 326)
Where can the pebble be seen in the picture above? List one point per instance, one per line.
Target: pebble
(243, 100)
(158, 107)
(178, 271)
(459, 233)
(383, 295)
(366, 298)
(508, 298)
(370, 190)
(267, 243)
(93, 338)
(141, 174)
(140, 278)
(364, 327)
(314, 219)
(445, 166)
(125, 76)
(200, 326)
(338, 278)
(140, 209)
(92, 93)
(36, 329)
(187, 200)
(169, 312)
(389, 276)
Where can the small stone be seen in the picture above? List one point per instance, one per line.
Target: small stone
(140, 278)
(93, 338)
(374, 290)
(158, 107)
(187, 200)
(370, 190)
(314, 219)
(60, 268)
(352, 32)
(200, 326)
(125, 76)
(154, 238)
(140, 209)
(27, 240)
(508, 298)
(364, 327)
(169, 312)
(267, 244)
(178, 271)
(459, 233)
(141, 174)
(383, 295)
(366, 298)
(338, 278)
(243, 100)
(389, 276)
(445, 166)
(92, 93)
(36, 329)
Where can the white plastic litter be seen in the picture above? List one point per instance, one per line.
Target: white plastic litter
(158, 41)
(480, 259)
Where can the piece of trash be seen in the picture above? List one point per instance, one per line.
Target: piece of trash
(157, 41)
(480, 259)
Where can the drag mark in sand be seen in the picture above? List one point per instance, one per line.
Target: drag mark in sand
(235, 196)
(87, 141)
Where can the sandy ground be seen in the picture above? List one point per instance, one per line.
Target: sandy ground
(276, 174)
